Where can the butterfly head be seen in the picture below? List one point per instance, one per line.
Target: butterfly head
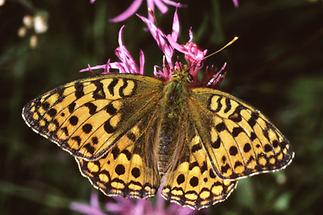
(182, 74)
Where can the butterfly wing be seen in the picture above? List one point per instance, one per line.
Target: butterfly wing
(191, 180)
(130, 167)
(238, 139)
(87, 117)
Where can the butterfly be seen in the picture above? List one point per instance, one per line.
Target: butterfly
(131, 134)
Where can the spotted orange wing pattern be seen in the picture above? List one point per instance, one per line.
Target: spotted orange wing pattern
(87, 117)
(191, 180)
(238, 139)
(129, 169)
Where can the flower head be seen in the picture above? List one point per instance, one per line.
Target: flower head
(193, 55)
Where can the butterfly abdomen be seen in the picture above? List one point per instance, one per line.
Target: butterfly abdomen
(173, 106)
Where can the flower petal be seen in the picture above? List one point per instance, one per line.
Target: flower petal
(141, 62)
(172, 3)
(175, 27)
(217, 78)
(92, 209)
(128, 12)
(160, 39)
(161, 6)
(124, 55)
(235, 3)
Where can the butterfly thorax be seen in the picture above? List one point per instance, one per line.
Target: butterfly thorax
(173, 106)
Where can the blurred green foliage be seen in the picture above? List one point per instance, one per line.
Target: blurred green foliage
(276, 65)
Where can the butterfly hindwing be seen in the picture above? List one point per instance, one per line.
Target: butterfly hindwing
(239, 140)
(191, 181)
(129, 168)
(88, 116)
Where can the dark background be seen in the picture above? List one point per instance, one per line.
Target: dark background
(276, 65)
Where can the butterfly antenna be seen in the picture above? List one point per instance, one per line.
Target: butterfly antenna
(226, 45)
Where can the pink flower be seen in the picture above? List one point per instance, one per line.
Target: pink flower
(92, 209)
(162, 5)
(235, 3)
(127, 63)
(168, 44)
(125, 206)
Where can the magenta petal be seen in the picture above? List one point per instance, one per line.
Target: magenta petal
(235, 3)
(176, 209)
(157, 72)
(160, 39)
(89, 68)
(175, 27)
(92, 209)
(94, 200)
(176, 46)
(139, 207)
(217, 78)
(86, 209)
(160, 203)
(161, 6)
(120, 35)
(141, 62)
(151, 9)
(121, 206)
(114, 207)
(124, 55)
(172, 3)
(127, 64)
(193, 55)
(190, 34)
(128, 12)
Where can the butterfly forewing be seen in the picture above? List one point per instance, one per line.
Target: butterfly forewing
(191, 180)
(238, 139)
(130, 167)
(87, 117)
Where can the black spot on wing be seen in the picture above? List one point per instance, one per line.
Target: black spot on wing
(253, 119)
(236, 131)
(194, 181)
(110, 109)
(71, 107)
(108, 127)
(79, 90)
(180, 179)
(45, 105)
(135, 172)
(220, 127)
(92, 107)
(216, 144)
(52, 112)
(73, 120)
(196, 147)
